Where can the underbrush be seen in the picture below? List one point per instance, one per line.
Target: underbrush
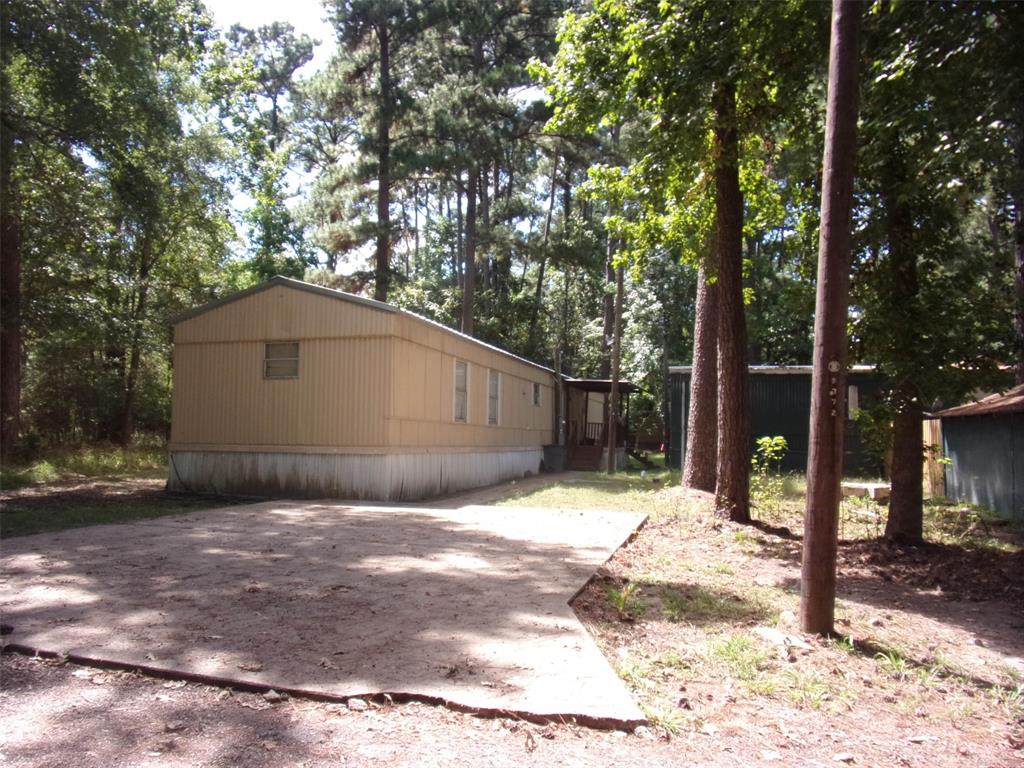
(145, 459)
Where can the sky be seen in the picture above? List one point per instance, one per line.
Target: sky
(305, 15)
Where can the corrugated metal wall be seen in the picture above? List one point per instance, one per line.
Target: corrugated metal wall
(987, 455)
(679, 414)
(780, 404)
(383, 477)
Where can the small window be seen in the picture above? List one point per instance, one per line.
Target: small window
(493, 380)
(281, 360)
(460, 391)
(852, 401)
(536, 395)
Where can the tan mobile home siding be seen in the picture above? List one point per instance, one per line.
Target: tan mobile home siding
(423, 394)
(370, 414)
(339, 400)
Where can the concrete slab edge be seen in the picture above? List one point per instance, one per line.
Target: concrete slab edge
(398, 697)
(630, 537)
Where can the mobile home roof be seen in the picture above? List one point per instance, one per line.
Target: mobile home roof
(332, 293)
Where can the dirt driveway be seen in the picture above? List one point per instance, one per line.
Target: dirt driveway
(465, 606)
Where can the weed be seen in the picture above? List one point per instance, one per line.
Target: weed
(844, 643)
(696, 604)
(893, 663)
(744, 658)
(673, 660)
(635, 669)
(668, 720)
(1010, 697)
(723, 569)
(766, 483)
(624, 599)
(808, 689)
(144, 460)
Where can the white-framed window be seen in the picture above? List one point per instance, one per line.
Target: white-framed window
(461, 387)
(536, 395)
(493, 396)
(281, 360)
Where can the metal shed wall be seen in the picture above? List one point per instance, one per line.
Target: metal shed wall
(987, 461)
(780, 404)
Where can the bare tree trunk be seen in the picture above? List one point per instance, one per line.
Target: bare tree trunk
(905, 523)
(613, 415)
(1017, 194)
(828, 387)
(10, 297)
(469, 271)
(485, 220)
(732, 489)
(702, 431)
(140, 305)
(460, 244)
(383, 271)
(538, 293)
(905, 520)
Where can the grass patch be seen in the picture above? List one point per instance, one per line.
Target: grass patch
(699, 605)
(60, 515)
(146, 460)
(627, 491)
(741, 655)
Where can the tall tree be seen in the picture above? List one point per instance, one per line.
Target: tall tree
(65, 67)
(828, 385)
(687, 70)
(928, 296)
(377, 38)
(270, 56)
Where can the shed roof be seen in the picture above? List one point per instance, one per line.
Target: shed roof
(1011, 401)
(332, 293)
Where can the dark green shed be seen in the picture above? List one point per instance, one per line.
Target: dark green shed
(984, 442)
(780, 404)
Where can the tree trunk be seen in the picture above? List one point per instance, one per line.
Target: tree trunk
(828, 385)
(538, 293)
(485, 228)
(1017, 195)
(469, 271)
(732, 490)
(10, 297)
(126, 427)
(608, 327)
(383, 270)
(702, 431)
(613, 415)
(905, 523)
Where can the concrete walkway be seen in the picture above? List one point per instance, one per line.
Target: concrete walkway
(465, 606)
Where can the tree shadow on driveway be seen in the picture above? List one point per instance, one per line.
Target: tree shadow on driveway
(467, 606)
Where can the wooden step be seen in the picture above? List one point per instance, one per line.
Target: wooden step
(585, 457)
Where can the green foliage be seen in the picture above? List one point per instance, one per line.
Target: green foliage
(767, 485)
(146, 459)
(625, 599)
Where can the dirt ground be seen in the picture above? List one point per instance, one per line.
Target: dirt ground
(698, 618)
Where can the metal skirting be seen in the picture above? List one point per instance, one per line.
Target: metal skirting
(384, 477)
